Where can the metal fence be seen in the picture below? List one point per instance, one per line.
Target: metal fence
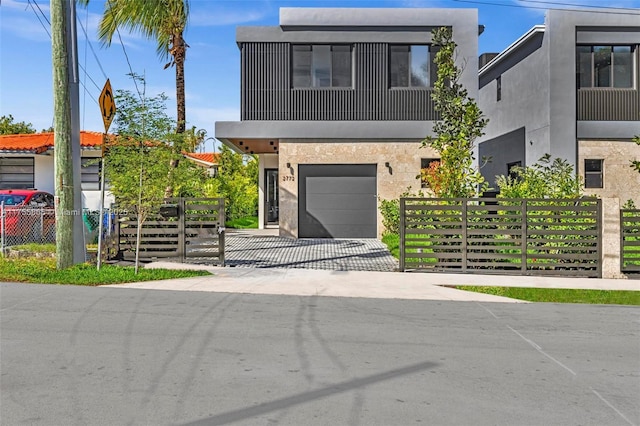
(505, 236)
(630, 241)
(23, 225)
(183, 229)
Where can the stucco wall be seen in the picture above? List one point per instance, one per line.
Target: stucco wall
(403, 157)
(620, 180)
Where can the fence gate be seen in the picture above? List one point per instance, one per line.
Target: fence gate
(504, 236)
(630, 241)
(183, 229)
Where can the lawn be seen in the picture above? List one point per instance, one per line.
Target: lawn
(43, 270)
(249, 222)
(604, 297)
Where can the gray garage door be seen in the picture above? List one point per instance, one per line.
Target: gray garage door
(337, 201)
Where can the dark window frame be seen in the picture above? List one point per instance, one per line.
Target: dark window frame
(590, 172)
(26, 183)
(431, 72)
(593, 74)
(499, 88)
(311, 84)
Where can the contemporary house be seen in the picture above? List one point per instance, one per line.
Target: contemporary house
(335, 103)
(569, 88)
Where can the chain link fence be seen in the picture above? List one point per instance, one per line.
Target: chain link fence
(37, 225)
(24, 225)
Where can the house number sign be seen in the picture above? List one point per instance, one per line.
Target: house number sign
(288, 178)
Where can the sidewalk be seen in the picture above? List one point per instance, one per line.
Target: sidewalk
(386, 285)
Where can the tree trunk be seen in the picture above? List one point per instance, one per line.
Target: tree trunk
(180, 50)
(63, 170)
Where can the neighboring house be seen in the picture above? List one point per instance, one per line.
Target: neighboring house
(335, 103)
(207, 160)
(27, 161)
(570, 88)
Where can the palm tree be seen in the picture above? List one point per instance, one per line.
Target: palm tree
(162, 20)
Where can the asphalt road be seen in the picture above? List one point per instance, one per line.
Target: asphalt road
(108, 356)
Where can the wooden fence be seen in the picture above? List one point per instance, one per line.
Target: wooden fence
(630, 241)
(502, 236)
(183, 229)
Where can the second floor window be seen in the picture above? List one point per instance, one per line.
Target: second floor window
(410, 66)
(604, 66)
(321, 65)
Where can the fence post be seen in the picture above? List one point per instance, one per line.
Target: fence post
(402, 233)
(182, 240)
(221, 231)
(465, 234)
(524, 234)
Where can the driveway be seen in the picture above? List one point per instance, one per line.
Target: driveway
(264, 249)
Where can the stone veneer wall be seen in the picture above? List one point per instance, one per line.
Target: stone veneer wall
(620, 180)
(403, 157)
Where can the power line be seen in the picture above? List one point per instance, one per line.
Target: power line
(553, 3)
(84, 30)
(125, 52)
(37, 16)
(604, 12)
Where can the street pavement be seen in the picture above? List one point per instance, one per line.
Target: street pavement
(121, 356)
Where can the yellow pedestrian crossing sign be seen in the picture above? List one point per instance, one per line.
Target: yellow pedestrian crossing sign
(107, 105)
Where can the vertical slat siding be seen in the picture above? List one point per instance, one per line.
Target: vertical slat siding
(267, 93)
(608, 104)
(503, 236)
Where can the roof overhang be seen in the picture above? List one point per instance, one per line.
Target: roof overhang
(261, 137)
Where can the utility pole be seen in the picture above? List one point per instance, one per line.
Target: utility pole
(69, 241)
(79, 244)
(63, 170)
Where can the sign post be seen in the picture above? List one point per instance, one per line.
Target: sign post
(108, 111)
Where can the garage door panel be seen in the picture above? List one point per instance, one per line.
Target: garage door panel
(347, 217)
(341, 185)
(337, 200)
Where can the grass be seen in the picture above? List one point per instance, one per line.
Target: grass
(393, 244)
(604, 297)
(249, 222)
(43, 271)
(36, 248)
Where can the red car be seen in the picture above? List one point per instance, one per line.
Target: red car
(29, 216)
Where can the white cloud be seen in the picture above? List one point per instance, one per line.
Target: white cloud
(205, 118)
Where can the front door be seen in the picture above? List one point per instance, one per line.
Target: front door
(271, 196)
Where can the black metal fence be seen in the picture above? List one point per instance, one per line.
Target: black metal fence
(502, 236)
(184, 229)
(630, 241)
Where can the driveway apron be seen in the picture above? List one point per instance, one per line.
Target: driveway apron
(261, 250)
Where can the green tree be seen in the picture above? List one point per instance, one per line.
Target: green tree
(9, 127)
(139, 158)
(545, 179)
(237, 183)
(162, 20)
(460, 124)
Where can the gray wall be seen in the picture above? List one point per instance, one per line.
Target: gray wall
(499, 152)
(266, 82)
(539, 85)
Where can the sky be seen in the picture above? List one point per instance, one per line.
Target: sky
(212, 67)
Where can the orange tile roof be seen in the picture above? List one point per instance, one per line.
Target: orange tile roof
(40, 142)
(208, 157)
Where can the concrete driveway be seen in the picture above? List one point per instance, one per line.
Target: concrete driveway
(264, 249)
